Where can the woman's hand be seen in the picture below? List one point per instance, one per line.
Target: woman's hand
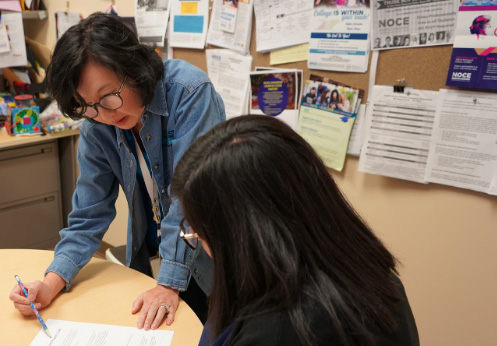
(149, 305)
(40, 293)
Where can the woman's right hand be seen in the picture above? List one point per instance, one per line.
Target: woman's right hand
(40, 293)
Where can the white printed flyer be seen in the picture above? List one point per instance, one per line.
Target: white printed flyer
(340, 36)
(413, 23)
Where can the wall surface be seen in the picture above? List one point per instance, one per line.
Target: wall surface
(445, 238)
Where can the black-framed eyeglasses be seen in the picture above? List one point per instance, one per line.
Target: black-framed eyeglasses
(191, 239)
(110, 102)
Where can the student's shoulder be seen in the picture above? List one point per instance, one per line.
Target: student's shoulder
(273, 329)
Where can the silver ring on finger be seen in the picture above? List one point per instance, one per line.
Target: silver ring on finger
(165, 307)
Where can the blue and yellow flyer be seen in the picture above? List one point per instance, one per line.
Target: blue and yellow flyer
(339, 36)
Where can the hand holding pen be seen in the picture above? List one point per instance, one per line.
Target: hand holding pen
(23, 289)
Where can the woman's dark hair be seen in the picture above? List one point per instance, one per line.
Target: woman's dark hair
(282, 236)
(105, 40)
(334, 92)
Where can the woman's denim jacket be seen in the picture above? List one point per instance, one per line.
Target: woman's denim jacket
(184, 107)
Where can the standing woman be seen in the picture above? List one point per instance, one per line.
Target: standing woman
(141, 116)
(293, 262)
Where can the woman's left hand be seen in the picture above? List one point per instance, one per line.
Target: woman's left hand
(150, 305)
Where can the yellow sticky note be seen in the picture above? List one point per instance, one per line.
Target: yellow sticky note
(189, 7)
(290, 54)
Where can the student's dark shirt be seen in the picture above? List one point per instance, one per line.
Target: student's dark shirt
(276, 329)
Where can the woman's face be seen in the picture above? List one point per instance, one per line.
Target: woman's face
(97, 81)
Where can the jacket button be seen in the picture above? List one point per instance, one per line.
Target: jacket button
(163, 190)
(149, 138)
(196, 271)
(156, 167)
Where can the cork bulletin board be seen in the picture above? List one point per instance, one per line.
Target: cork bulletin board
(422, 68)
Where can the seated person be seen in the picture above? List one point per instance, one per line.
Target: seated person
(323, 99)
(294, 264)
(311, 96)
(334, 99)
(344, 103)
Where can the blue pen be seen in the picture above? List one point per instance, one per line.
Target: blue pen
(33, 307)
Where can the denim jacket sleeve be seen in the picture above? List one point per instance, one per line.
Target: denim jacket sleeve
(93, 208)
(194, 107)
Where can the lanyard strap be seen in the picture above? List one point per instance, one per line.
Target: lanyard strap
(150, 185)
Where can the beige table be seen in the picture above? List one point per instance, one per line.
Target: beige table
(103, 292)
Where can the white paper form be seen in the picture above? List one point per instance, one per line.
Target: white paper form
(340, 37)
(398, 133)
(282, 23)
(357, 134)
(239, 40)
(151, 19)
(493, 184)
(16, 55)
(64, 20)
(66, 333)
(229, 72)
(463, 152)
(4, 39)
(229, 13)
(189, 23)
(413, 23)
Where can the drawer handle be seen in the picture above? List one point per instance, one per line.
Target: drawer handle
(40, 151)
(27, 204)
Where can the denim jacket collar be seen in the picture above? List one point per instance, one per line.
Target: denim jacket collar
(157, 106)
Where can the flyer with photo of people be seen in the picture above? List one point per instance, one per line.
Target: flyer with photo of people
(327, 114)
(473, 63)
(413, 23)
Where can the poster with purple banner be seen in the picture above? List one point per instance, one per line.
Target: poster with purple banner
(474, 57)
(274, 93)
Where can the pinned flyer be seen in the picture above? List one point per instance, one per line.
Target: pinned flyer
(189, 23)
(327, 114)
(274, 93)
(229, 12)
(4, 40)
(474, 57)
(219, 33)
(16, 53)
(340, 36)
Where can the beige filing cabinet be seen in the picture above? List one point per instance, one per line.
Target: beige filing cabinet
(37, 179)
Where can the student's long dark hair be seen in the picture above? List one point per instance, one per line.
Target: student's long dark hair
(107, 41)
(282, 236)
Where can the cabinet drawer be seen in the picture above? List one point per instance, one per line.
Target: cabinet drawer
(28, 171)
(32, 223)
